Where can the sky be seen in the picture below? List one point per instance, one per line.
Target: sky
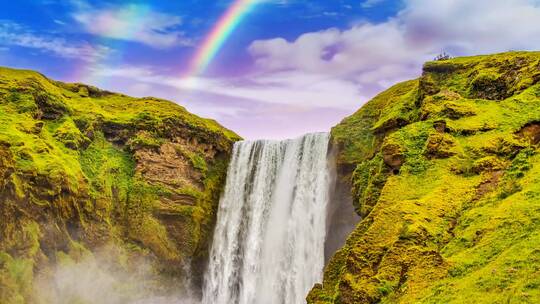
(285, 68)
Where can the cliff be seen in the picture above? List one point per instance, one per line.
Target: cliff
(84, 170)
(445, 174)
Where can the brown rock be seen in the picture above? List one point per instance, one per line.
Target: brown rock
(167, 166)
(440, 126)
(393, 155)
(530, 132)
(440, 146)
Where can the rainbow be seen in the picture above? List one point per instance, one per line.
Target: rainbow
(203, 56)
(218, 35)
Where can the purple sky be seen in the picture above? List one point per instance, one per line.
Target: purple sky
(291, 67)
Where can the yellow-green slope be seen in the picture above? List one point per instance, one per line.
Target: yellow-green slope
(83, 169)
(445, 172)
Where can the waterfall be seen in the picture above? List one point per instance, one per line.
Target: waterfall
(268, 244)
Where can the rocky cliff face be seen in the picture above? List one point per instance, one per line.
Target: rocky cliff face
(84, 170)
(445, 173)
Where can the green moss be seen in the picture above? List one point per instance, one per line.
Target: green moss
(441, 145)
(213, 183)
(198, 162)
(70, 135)
(385, 288)
(355, 133)
(447, 104)
(500, 259)
(109, 172)
(145, 140)
(16, 275)
(369, 178)
(193, 192)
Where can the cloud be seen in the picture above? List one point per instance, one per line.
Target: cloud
(14, 34)
(134, 22)
(467, 27)
(374, 55)
(320, 77)
(370, 3)
(284, 88)
(255, 106)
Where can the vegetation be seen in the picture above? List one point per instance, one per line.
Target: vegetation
(445, 174)
(82, 169)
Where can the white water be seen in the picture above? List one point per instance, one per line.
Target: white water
(268, 245)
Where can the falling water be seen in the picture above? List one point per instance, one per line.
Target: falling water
(269, 240)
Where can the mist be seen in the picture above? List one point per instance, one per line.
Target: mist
(105, 278)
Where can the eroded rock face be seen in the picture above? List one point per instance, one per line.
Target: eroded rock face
(341, 216)
(168, 166)
(488, 87)
(440, 145)
(530, 132)
(393, 155)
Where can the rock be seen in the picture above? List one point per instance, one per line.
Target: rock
(489, 163)
(37, 127)
(489, 184)
(6, 165)
(167, 166)
(51, 107)
(489, 87)
(393, 155)
(440, 145)
(530, 132)
(391, 124)
(440, 126)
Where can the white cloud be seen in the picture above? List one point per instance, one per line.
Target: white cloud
(467, 27)
(134, 22)
(321, 76)
(284, 88)
(371, 3)
(13, 34)
(256, 106)
(374, 55)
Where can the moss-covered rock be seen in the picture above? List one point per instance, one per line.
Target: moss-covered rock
(393, 153)
(459, 221)
(82, 168)
(440, 145)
